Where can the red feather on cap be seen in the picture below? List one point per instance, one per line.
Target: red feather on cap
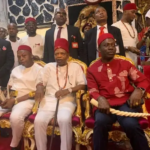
(62, 43)
(104, 37)
(25, 47)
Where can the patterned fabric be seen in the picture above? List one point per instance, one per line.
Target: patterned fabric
(113, 80)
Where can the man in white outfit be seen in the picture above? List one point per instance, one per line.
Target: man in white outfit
(129, 33)
(61, 80)
(32, 39)
(23, 79)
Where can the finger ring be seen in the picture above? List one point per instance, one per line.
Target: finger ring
(136, 103)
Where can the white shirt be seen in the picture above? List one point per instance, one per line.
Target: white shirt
(36, 43)
(24, 80)
(49, 79)
(64, 32)
(98, 31)
(15, 46)
(127, 39)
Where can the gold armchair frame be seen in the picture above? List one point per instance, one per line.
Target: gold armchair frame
(28, 134)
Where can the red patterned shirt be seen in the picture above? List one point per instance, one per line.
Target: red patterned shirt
(113, 80)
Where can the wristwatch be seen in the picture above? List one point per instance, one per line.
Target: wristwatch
(70, 90)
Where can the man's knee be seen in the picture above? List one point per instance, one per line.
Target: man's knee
(130, 124)
(101, 119)
(16, 118)
(39, 121)
(66, 119)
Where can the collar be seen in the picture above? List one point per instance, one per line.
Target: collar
(64, 26)
(101, 26)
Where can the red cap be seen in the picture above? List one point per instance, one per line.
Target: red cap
(25, 47)
(30, 19)
(104, 37)
(130, 6)
(62, 43)
(87, 24)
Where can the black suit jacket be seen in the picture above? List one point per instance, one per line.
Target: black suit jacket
(49, 44)
(6, 61)
(90, 48)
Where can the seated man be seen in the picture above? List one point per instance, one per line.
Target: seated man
(61, 80)
(109, 83)
(23, 79)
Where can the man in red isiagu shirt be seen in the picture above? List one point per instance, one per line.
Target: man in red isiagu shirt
(109, 82)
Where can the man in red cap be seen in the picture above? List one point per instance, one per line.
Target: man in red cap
(129, 33)
(32, 39)
(61, 80)
(23, 80)
(108, 80)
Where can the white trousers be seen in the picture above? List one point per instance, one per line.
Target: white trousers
(19, 112)
(64, 118)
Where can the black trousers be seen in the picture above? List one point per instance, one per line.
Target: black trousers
(103, 124)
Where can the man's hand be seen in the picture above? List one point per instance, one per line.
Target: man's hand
(39, 93)
(135, 98)
(8, 103)
(61, 93)
(103, 105)
(134, 50)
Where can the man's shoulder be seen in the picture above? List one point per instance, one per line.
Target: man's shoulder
(116, 24)
(114, 28)
(37, 66)
(3, 41)
(94, 64)
(123, 59)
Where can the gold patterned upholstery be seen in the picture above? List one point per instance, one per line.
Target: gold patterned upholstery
(28, 133)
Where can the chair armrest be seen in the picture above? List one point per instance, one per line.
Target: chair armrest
(86, 98)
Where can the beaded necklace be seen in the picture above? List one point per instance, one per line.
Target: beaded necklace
(128, 30)
(58, 77)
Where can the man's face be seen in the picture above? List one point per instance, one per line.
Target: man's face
(107, 49)
(60, 16)
(24, 57)
(61, 56)
(87, 28)
(2, 33)
(100, 15)
(12, 30)
(131, 14)
(31, 27)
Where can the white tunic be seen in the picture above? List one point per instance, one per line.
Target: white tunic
(36, 43)
(127, 39)
(23, 79)
(15, 46)
(49, 79)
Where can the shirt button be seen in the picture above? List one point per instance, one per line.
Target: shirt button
(107, 64)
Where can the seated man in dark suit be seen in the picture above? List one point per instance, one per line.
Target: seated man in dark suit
(91, 37)
(6, 61)
(61, 30)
